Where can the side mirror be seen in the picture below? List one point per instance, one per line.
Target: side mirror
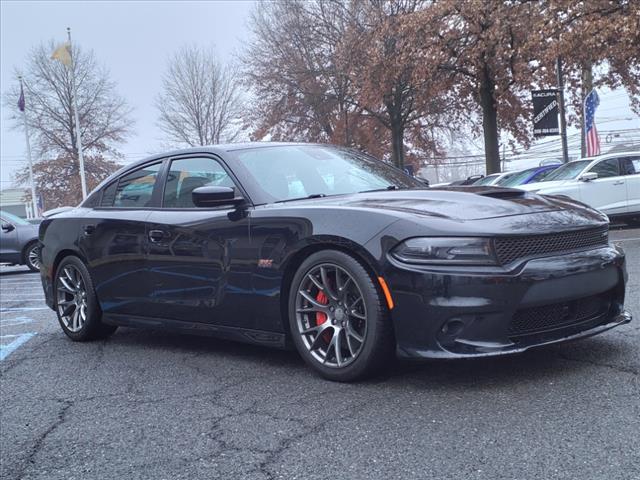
(587, 177)
(209, 196)
(7, 227)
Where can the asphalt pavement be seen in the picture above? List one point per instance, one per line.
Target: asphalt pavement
(156, 405)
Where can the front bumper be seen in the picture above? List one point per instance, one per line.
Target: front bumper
(457, 312)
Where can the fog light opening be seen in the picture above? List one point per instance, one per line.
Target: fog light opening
(452, 327)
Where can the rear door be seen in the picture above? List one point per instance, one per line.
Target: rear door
(631, 169)
(608, 192)
(113, 238)
(200, 259)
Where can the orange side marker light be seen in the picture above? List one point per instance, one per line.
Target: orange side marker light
(387, 293)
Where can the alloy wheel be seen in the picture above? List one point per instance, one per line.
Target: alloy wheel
(33, 258)
(72, 298)
(331, 315)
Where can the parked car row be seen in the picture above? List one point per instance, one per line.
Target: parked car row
(610, 183)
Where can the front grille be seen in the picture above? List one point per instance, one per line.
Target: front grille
(510, 249)
(558, 315)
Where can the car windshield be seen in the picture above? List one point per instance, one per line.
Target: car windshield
(299, 171)
(567, 172)
(506, 177)
(518, 178)
(11, 218)
(488, 180)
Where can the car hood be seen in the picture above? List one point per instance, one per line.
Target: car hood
(532, 187)
(455, 203)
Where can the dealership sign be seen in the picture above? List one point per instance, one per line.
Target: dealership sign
(545, 112)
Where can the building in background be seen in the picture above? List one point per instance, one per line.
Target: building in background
(16, 201)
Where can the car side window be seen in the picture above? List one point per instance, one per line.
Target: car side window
(133, 190)
(607, 168)
(630, 165)
(187, 174)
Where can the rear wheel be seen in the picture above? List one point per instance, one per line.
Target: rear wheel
(76, 304)
(32, 256)
(338, 319)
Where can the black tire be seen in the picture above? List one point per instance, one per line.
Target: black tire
(92, 327)
(31, 261)
(375, 352)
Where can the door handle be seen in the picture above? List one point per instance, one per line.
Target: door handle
(157, 235)
(89, 229)
(619, 182)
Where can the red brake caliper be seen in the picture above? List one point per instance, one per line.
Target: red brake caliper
(321, 317)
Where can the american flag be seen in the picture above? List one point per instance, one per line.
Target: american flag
(590, 132)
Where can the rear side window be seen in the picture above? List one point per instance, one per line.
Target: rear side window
(630, 165)
(109, 195)
(133, 190)
(607, 168)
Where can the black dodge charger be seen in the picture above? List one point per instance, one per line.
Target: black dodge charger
(329, 250)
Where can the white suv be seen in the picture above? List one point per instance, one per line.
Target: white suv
(610, 183)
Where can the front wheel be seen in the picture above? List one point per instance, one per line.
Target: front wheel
(76, 304)
(338, 318)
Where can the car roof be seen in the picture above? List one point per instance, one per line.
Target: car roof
(606, 155)
(218, 149)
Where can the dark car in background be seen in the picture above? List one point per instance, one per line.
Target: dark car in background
(328, 250)
(18, 241)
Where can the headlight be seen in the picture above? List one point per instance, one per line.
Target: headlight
(446, 251)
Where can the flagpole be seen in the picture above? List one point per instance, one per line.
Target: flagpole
(34, 200)
(77, 119)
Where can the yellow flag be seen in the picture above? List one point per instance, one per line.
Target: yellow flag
(63, 54)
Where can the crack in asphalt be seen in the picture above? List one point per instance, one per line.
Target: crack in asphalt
(40, 440)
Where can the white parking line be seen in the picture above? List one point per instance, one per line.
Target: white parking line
(12, 322)
(24, 298)
(21, 309)
(626, 239)
(6, 350)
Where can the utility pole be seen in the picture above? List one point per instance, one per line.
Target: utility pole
(563, 121)
(83, 180)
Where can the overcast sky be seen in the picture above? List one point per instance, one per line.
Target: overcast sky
(134, 39)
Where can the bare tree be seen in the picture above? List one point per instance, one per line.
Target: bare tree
(200, 102)
(104, 118)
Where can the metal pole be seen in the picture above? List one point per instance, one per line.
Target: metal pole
(34, 200)
(563, 122)
(83, 180)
